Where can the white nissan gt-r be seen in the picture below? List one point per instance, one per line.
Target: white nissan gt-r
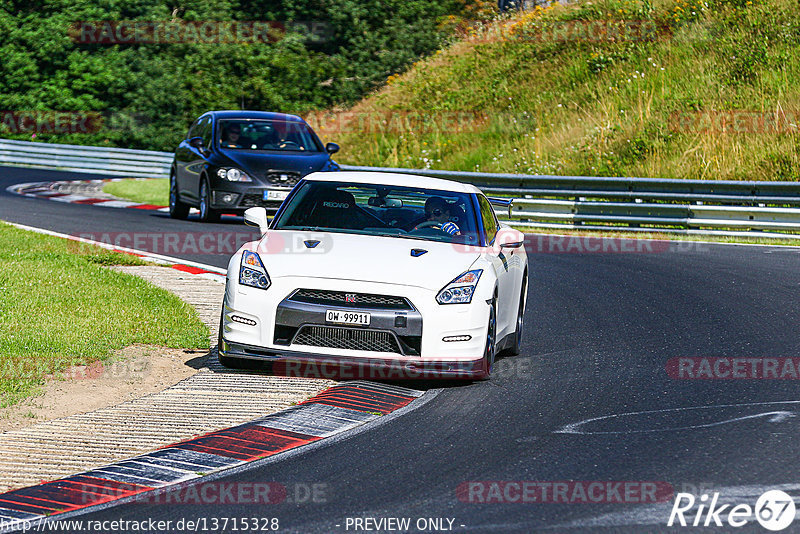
(410, 275)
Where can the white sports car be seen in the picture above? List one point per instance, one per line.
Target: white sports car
(407, 275)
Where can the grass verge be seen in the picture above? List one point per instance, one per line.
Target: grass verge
(60, 307)
(145, 190)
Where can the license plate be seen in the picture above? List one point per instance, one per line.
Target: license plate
(276, 195)
(344, 317)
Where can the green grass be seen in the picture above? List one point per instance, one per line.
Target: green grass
(147, 191)
(583, 107)
(59, 307)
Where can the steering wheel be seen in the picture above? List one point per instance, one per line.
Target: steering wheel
(426, 224)
(285, 144)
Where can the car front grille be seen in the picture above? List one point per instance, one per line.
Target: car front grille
(283, 178)
(350, 300)
(335, 337)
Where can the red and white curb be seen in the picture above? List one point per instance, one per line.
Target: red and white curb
(334, 411)
(49, 191)
(200, 269)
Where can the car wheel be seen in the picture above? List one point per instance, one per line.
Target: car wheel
(491, 342)
(206, 213)
(177, 209)
(515, 348)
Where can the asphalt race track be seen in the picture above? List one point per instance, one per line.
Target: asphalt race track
(600, 330)
(122, 224)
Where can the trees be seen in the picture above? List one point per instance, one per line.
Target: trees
(147, 93)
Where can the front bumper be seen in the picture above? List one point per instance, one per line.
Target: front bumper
(312, 365)
(238, 198)
(268, 323)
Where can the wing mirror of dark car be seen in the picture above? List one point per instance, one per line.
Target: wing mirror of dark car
(383, 202)
(195, 142)
(331, 148)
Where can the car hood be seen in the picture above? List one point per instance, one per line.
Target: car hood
(364, 258)
(257, 163)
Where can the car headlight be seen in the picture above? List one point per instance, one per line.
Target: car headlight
(252, 272)
(233, 175)
(460, 290)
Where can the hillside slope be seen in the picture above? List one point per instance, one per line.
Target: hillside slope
(665, 88)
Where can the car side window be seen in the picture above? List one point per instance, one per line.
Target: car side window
(488, 218)
(193, 129)
(204, 131)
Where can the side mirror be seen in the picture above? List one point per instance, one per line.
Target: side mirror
(195, 142)
(257, 217)
(331, 148)
(508, 238)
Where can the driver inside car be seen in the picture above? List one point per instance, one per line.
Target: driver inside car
(437, 211)
(231, 136)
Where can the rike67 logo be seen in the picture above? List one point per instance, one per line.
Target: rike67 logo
(774, 510)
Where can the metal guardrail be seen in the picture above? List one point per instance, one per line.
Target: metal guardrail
(88, 159)
(722, 207)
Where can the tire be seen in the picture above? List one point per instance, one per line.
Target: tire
(515, 349)
(489, 352)
(177, 209)
(206, 213)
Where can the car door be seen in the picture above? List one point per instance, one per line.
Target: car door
(197, 159)
(506, 310)
(183, 156)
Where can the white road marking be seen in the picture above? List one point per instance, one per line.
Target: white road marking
(150, 256)
(773, 417)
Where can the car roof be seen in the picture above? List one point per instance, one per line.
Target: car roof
(393, 178)
(245, 114)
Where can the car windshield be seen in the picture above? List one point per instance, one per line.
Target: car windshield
(263, 134)
(394, 211)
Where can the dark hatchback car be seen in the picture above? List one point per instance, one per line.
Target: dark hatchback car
(234, 160)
